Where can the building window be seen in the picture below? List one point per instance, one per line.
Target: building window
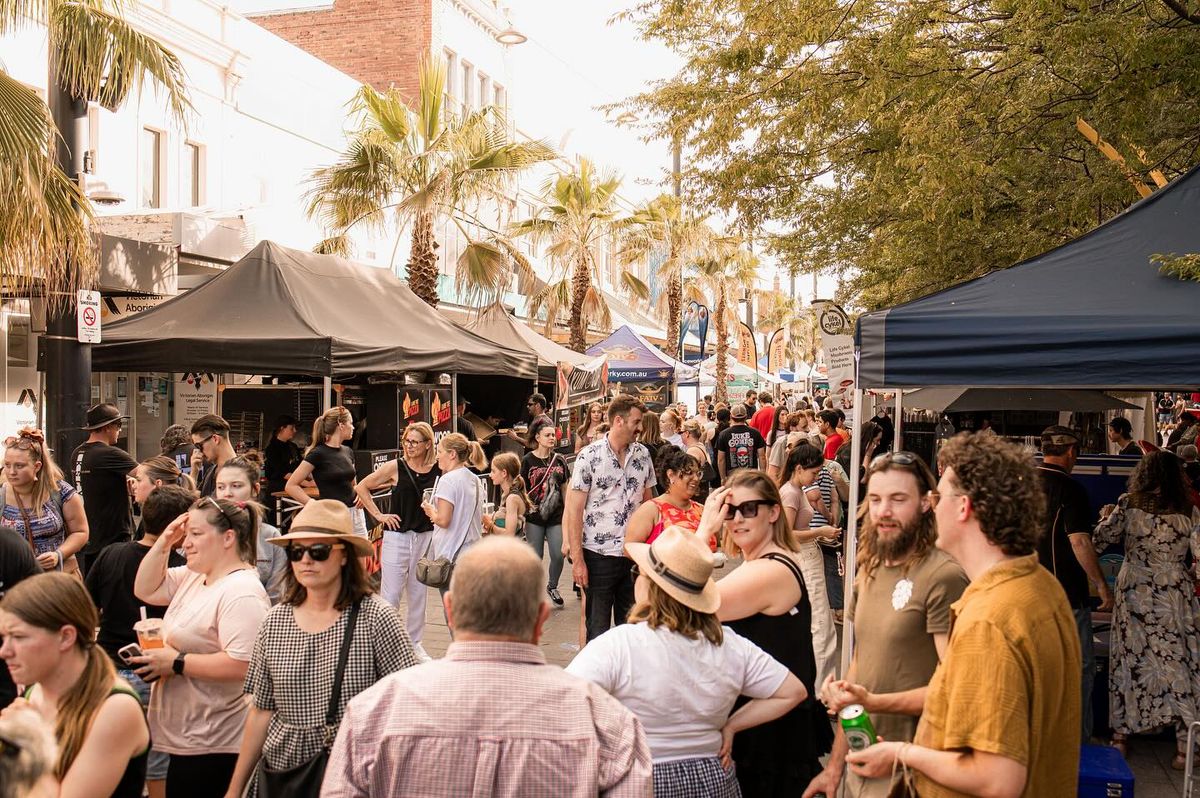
(191, 182)
(448, 97)
(468, 87)
(152, 171)
(485, 90)
(499, 97)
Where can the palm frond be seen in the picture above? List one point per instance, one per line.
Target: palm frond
(634, 287)
(481, 273)
(555, 299)
(97, 55)
(335, 245)
(596, 310)
(386, 111)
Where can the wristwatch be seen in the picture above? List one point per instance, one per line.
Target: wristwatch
(177, 665)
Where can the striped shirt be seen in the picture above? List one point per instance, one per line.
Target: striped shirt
(490, 719)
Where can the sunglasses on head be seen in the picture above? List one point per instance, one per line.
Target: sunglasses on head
(900, 458)
(318, 551)
(747, 509)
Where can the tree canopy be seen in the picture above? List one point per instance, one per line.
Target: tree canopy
(912, 145)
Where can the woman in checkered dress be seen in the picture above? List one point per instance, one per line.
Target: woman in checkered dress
(295, 657)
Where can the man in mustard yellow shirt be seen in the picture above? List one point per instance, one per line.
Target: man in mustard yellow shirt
(1002, 712)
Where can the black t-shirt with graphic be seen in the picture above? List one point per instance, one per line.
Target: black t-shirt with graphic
(98, 472)
(741, 445)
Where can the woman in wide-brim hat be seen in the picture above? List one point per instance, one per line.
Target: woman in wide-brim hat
(324, 587)
(680, 671)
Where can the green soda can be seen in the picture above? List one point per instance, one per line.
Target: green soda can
(857, 726)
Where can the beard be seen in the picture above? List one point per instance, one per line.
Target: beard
(897, 546)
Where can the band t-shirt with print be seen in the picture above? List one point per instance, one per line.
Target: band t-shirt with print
(741, 445)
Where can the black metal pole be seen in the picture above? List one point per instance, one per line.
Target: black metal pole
(68, 363)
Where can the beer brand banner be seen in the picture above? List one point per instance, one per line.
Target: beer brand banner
(776, 351)
(579, 385)
(838, 345)
(747, 346)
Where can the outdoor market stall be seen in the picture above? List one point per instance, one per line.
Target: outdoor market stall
(637, 367)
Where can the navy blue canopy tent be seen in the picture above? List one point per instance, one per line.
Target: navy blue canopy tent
(1093, 313)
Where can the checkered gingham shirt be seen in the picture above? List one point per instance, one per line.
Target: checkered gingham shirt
(490, 720)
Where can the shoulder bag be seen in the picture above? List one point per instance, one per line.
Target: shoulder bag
(304, 780)
(437, 572)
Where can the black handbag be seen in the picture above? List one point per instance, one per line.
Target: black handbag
(304, 780)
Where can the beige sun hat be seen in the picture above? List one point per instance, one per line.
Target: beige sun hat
(323, 519)
(682, 565)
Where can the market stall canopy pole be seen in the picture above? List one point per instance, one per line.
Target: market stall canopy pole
(1093, 313)
(286, 311)
(963, 400)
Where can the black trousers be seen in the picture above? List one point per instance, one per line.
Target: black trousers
(609, 591)
(200, 776)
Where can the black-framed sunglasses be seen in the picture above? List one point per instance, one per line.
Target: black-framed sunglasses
(747, 509)
(198, 444)
(414, 442)
(318, 551)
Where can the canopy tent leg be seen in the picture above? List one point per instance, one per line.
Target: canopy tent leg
(326, 390)
(898, 423)
(850, 548)
(454, 401)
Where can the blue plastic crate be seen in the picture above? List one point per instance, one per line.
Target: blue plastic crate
(1104, 773)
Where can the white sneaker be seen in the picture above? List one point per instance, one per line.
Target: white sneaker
(421, 654)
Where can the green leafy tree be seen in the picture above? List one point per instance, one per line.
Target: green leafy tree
(426, 164)
(96, 56)
(721, 278)
(922, 143)
(577, 218)
(665, 229)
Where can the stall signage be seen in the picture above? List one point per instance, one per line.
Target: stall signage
(579, 385)
(838, 346)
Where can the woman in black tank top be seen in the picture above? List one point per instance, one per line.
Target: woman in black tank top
(765, 601)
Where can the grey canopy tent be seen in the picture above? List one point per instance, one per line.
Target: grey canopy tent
(496, 324)
(286, 311)
(960, 400)
(1093, 313)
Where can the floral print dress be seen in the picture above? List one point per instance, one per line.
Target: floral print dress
(1154, 670)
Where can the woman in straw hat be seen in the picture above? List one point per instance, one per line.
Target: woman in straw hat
(325, 591)
(765, 600)
(680, 671)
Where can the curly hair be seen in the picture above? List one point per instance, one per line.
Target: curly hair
(1161, 474)
(674, 459)
(1005, 493)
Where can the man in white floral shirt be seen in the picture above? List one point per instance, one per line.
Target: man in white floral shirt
(612, 477)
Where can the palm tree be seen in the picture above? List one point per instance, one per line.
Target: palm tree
(779, 311)
(95, 56)
(664, 228)
(427, 164)
(722, 276)
(577, 216)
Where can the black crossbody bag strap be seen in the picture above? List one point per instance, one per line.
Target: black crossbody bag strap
(343, 658)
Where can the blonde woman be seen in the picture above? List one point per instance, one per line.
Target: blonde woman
(456, 509)
(330, 463)
(48, 625)
(509, 518)
(39, 505)
(406, 528)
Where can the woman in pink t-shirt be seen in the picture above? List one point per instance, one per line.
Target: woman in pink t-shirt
(215, 605)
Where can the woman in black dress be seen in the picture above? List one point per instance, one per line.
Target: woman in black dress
(765, 601)
(330, 463)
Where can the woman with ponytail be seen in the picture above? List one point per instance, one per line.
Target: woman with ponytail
(509, 518)
(48, 625)
(456, 509)
(330, 463)
(215, 605)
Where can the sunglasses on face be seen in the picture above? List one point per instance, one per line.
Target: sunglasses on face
(200, 443)
(318, 551)
(747, 509)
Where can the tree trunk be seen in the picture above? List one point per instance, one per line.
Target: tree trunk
(675, 310)
(722, 392)
(423, 261)
(580, 282)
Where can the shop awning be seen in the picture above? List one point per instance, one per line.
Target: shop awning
(499, 326)
(286, 311)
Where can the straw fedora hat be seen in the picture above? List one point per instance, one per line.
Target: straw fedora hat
(679, 563)
(325, 519)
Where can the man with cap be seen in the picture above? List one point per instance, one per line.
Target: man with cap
(99, 469)
(1065, 548)
(739, 445)
(461, 423)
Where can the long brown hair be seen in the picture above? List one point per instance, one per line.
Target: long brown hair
(160, 468)
(510, 464)
(869, 557)
(585, 426)
(326, 424)
(34, 442)
(661, 609)
(764, 486)
(355, 584)
(51, 601)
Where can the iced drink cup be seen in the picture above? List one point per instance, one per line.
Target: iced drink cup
(149, 632)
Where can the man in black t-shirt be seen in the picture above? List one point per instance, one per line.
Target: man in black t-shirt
(461, 424)
(281, 455)
(1065, 548)
(210, 436)
(16, 563)
(537, 406)
(99, 470)
(739, 445)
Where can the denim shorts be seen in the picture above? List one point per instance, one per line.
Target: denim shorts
(156, 763)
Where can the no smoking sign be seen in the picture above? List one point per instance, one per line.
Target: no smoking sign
(88, 317)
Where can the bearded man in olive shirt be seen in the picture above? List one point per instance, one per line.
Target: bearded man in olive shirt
(901, 615)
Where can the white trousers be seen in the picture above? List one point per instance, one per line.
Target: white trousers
(398, 575)
(824, 635)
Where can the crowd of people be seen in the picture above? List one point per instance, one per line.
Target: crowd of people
(167, 640)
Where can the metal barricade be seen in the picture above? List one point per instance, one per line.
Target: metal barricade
(1189, 768)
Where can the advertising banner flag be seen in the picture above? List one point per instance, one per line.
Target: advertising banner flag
(747, 346)
(776, 351)
(579, 385)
